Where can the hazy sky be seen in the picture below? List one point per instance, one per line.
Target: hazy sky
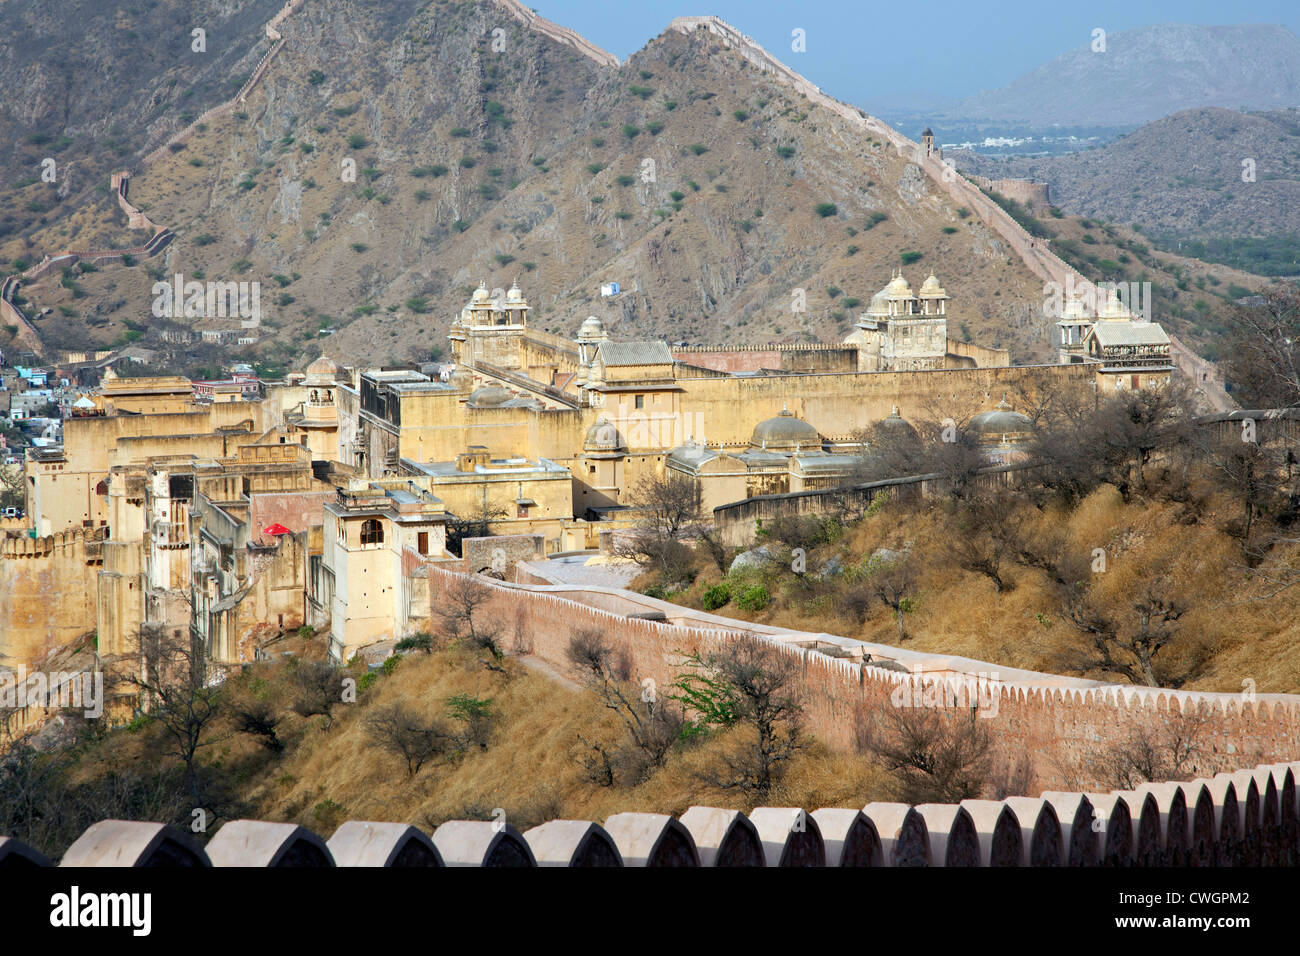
(860, 50)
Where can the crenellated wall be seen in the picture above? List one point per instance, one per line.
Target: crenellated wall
(1247, 818)
(1023, 191)
(47, 592)
(1053, 722)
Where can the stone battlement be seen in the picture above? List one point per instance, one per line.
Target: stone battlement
(1029, 713)
(1248, 818)
(52, 545)
(1024, 191)
(773, 347)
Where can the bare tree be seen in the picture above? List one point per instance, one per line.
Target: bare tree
(1129, 644)
(257, 716)
(317, 687)
(936, 756)
(477, 524)
(1150, 752)
(894, 585)
(400, 731)
(653, 726)
(13, 494)
(669, 508)
(988, 532)
(1133, 427)
(1249, 472)
(763, 684)
(1263, 349)
(177, 691)
(669, 503)
(464, 618)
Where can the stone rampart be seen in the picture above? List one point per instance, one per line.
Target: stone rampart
(738, 520)
(1247, 818)
(1051, 723)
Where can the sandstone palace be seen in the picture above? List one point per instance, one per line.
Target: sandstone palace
(245, 511)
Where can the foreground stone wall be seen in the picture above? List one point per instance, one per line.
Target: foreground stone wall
(1045, 726)
(1241, 819)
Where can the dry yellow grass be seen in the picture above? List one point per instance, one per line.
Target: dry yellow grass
(530, 769)
(1247, 633)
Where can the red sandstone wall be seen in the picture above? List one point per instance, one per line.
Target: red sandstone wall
(1050, 727)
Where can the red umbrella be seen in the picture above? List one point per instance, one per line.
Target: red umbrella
(276, 529)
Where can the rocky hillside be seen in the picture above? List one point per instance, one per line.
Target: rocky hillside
(1150, 72)
(700, 183)
(1182, 174)
(395, 154)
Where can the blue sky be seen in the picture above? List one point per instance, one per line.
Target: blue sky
(862, 51)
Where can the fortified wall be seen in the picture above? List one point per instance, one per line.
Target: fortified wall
(1030, 715)
(1024, 191)
(737, 521)
(803, 357)
(47, 592)
(1247, 818)
(1034, 252)
(839, 404)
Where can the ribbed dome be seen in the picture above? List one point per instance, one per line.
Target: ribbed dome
(879, 303)
(785, 433)
(603, 437)
(1112, 306)
(930, 289)
(322, 366)
(513, 295)
(1074, 309)
(481, 294)
(591, 328)
(898, 288)
(489, 396)
(323, 371)
(1002, 424)
(691, 455)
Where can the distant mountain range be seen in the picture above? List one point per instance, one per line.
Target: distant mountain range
(1148, 73)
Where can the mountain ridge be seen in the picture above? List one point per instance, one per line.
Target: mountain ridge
(531, 166)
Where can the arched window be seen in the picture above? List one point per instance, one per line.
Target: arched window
(372, 532)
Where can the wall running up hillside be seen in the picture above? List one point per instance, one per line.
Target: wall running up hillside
(1035, 253)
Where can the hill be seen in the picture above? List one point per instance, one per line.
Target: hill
(1182, 175)
(709, 188)
(1150, 72)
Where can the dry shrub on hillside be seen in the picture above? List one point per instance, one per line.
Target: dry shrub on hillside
(399, 730)
(762, 684)
(652, 726)
(1151, 751)
(935, 756)
(465, 619)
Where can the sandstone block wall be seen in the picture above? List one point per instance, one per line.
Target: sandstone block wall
(47, 592)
